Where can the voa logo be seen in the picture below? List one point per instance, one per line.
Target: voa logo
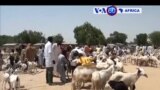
(111, 10)
(100, 10)
(132, 10)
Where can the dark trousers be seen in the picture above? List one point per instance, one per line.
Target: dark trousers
(49, 75)
(44, 62)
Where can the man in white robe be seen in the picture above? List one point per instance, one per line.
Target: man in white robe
(49, 62)
(56, 52)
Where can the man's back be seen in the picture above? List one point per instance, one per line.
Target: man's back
(30, 53)
(48, 54)
(56, 51)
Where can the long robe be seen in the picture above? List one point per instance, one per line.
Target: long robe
(30, 53)
(62, 61)
(56, 52)
(1, 61)
(40, 56)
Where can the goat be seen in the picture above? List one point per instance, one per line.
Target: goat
(129, 78)
(99, 78)
(118, 85)
(81, 75)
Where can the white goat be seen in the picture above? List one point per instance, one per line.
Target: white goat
(32, 66)
(119, 66)
(154, 60)
(143, 59)
(5, 80)
(6, 77)
(128, 78)
(81, 75)
(102, 65)
(99, 78)
(14, 81)
(21, 66)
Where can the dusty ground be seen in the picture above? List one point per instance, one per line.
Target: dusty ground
(37, 82)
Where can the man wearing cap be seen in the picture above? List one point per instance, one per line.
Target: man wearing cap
(48, 54)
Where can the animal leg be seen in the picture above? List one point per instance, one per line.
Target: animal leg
(18, 83)
(3, 85)
(79, 85)
(73, 86)
(132, 87)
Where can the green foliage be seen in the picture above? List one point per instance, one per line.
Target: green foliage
(141, 39)
(6, 39)
(117, 37)
(29, 36)
(88, 34)
(58, 38)
(155, 38)
(109, 40)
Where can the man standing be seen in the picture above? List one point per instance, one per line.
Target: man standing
(56, 51)
(40, 57)
(48, 52)
(61, 66)
(72, 56)
(87, 49)
(1, 61)
(30, 52)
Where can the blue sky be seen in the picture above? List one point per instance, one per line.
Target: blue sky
(52, 20)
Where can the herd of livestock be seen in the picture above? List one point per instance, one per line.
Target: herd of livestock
(108, 73)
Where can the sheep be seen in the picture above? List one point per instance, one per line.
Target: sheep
(154, 59)
(105, 64)
(5, 67)
(100, 58)
(118, 85)
(129, 78)
(81, 75)
(5, 78)
(14, 81)
(133, 59)
(128, 58)
(102, 65)
(11, 78)
(21, 66)
(158, 56)
(119, 66)
(122, 59)
(99, 78)
(32, 66)
(117, 62)
(110, 61)
(142, 59)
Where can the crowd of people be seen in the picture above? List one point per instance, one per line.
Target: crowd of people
(56, 58)
(53, 56)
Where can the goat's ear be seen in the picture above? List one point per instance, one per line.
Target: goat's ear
(103, 60)
(139, 71)
(114, 62)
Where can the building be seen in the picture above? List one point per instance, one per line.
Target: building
(39, 44)
(10, 45)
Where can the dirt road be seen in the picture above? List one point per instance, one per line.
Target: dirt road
(37, 82)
